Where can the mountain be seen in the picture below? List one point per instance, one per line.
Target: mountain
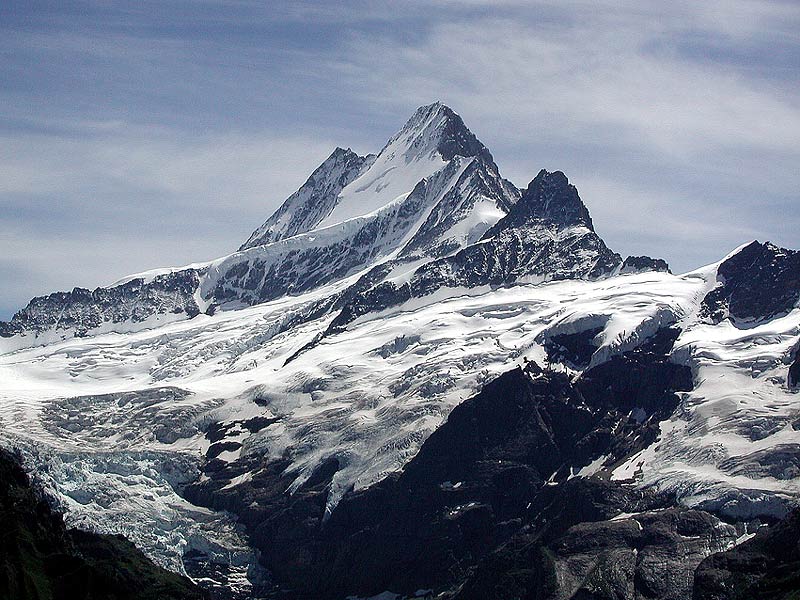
(415, 376)
(432, 189)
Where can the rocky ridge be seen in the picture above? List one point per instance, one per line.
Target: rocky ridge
(303, 210)
(432, 195)
(546, 235)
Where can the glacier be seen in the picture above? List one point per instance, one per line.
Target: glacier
(385, 292)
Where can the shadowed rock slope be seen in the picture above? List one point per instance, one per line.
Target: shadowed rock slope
(488, 507)
(764, 567)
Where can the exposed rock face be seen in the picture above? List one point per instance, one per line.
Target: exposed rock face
(454, 139)
(316, 198)
(651, 554)
(793, 378)
(82, 310)
(759, 282)
(477, 481)
(42, 560)
(573, 349)
(639, 264)
(549, 199)
(766, 566)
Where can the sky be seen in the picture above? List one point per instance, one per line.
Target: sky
(136, 135)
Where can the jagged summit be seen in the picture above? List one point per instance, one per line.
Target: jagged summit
(557, 199)
(551, 198)
(347, 185)
(437, 127)
(422, 115)
(314, 201)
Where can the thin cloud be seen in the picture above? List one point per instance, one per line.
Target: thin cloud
(87, 211)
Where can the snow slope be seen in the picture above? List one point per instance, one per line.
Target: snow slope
(370, 395)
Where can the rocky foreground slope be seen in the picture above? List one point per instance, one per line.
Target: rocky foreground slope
(415, 378)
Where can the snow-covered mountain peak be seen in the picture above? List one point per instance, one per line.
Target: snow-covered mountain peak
(346, 185)
(436, 128)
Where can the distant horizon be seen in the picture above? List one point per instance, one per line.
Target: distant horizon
(162, 134)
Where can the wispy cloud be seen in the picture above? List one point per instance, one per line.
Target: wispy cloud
(163, 132)
(86, 211)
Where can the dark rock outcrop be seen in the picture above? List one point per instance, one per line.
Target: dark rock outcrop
(42, 560)
(758, 283)
(793, 377)
(574, 349)
(549, 197)
(641, 264)
(480, 479)
(651, 554)
(766, 566)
